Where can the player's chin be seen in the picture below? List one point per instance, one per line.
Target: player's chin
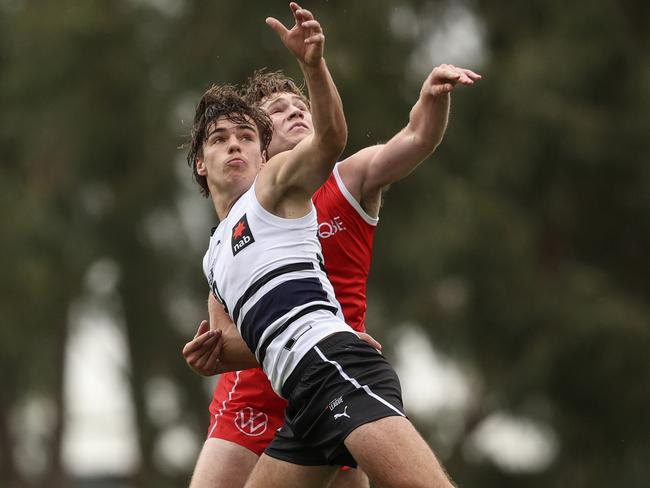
(286, 143)
(240, 177)
(298, 134)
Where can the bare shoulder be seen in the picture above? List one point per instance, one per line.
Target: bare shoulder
(277, 190)
(266, 183)
(354, 170)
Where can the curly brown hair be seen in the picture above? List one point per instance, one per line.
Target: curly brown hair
(262, 85)
(223, 101)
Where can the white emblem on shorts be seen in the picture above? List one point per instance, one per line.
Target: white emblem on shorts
(344, 414)
(250, 422)
(335, 403)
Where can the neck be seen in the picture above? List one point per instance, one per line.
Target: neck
(225, 194)
(223, 203)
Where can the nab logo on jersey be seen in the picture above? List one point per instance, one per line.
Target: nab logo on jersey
(241, 236)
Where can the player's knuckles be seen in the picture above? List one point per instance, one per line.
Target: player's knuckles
(305, 13)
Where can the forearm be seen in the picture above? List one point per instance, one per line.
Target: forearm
(427, 122)
(330, 129)
(415, 142)
(301, 171)
(235, 353)
(428, 117)
(296, 174)
(423, 133)
(399, 156)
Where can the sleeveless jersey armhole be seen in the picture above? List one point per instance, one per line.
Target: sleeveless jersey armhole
(351, 200)
(280, 221)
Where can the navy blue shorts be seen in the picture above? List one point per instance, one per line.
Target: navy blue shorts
(341, 384)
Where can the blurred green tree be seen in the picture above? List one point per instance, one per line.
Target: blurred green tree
(520, 247)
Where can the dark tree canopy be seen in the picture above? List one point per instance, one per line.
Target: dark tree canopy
(521, 247)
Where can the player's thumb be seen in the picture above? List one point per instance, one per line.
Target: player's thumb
(276, 25)
(204, 326)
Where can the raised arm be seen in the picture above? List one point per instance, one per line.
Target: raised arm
(294, 175)
(373, 168)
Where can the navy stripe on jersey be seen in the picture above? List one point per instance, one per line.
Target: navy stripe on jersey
(217, 295)
(254, 288)
(283, 327)
(278, 302)
(321, 263)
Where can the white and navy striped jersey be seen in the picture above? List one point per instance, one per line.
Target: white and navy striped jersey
(268, 273)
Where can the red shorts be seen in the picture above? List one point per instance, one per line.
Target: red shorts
(245, 410)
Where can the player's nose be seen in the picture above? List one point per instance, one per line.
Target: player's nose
(296, 112)
(233, 144)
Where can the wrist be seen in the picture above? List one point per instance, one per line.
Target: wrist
(313, 69)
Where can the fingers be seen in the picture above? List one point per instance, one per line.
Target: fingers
(444, 78)
(300, 14)
(202, 354)
(305, 40)
(448, 72)
(200, 341)
(277, 26)
(318, 38)
(313, 25)
(315, 32)
(204, 326)
(442, 89)
(370, 340)
(212, 359)
(304, 20)
(469, 73)
(207, 362)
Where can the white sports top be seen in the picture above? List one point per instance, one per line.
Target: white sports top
(268, 273)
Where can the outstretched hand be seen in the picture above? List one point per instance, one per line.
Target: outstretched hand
(305, 39)
(203, 351)
(444, 78)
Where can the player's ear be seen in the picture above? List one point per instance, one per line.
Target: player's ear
(200, 167)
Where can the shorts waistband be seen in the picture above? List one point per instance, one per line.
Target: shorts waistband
(325, 345)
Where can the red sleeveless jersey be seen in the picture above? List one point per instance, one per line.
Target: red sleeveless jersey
(346, 234)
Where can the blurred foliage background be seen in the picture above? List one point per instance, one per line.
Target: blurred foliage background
(520, 249)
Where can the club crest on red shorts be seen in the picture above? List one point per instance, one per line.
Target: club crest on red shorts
(251, 422)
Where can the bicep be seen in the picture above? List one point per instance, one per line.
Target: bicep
(394, 160)
(302, 169)
(359, 172)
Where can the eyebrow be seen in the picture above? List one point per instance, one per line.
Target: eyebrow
(276, 101)
(220, 130)
(283, 98)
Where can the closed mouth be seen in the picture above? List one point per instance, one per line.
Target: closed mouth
(298, 125)
(234, 162)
